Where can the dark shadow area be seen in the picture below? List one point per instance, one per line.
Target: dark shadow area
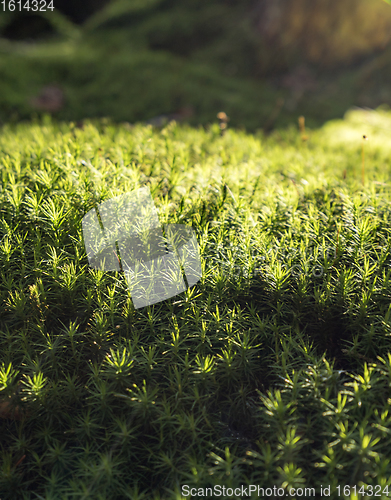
(28, 27)
(79, 11)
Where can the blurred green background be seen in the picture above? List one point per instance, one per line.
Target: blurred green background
(263, 62)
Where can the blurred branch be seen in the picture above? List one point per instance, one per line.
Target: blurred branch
(117, 9)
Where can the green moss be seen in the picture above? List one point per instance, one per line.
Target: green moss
(265, 372)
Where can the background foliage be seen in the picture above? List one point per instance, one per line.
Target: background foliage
(135, 60)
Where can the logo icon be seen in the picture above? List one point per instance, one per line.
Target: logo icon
(159, 261)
